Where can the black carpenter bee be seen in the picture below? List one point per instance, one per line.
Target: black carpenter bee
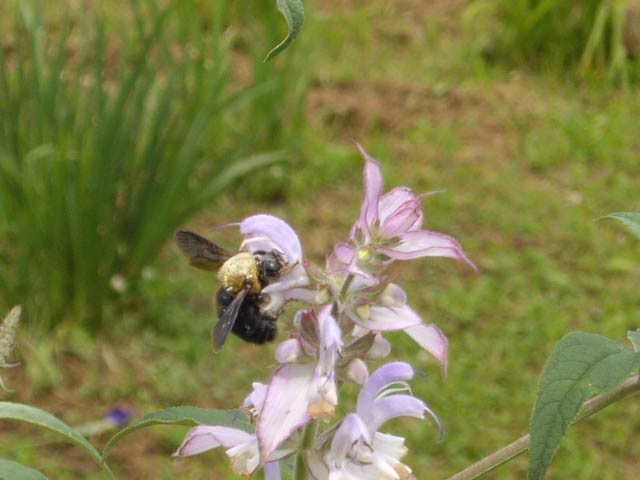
(242, 277)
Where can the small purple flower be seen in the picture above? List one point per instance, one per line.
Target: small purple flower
(390, 225)
(358, 450)
(118, 417)
(298, 393)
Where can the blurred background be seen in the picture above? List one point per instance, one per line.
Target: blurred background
(122, 121)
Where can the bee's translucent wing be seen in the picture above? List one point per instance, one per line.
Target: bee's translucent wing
(201, 252)
(228, 319)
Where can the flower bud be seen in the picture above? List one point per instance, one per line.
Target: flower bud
(323, 296)
(357, 371)
(380, 348)
(364, 254)
(289, 351)
(393, 296)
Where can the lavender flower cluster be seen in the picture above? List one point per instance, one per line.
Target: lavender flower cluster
(351, 304)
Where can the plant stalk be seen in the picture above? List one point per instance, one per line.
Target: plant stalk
(308, 436)
(311, 430)
(522, 444)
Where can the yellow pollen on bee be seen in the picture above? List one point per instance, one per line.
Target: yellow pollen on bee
(238, 271)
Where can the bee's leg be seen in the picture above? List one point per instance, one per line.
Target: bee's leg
(286, 270)
(269, 306)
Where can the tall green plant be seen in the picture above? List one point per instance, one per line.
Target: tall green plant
(114, 130)
(587, 36)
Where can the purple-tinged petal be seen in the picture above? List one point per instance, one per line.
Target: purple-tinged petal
(386, 375)
(276, 230)
(380, 318)
(203, 437)
(296, 278)
(301, 294)
(357, 371)
(380, 348)
(255, 399)
(350, 431)
(285, 407)
(401, 221)
(330, 334)
(393, 296)
(272, 471)
(432, 340)
(277, 300)
(395, 200)
(395, 406)
(422, 243)
(345, 253)
(289, 351)
(254, 244)
(372, 191)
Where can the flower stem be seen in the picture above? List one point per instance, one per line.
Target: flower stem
(522, 444)
(311, 430)
(306, 443)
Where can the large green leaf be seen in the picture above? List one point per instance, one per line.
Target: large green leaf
(15, 471)
(35, 416)
(630, 219)
(293, 12)
(581, 364)
(183, 416)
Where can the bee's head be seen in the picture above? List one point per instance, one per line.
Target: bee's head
(270, 265)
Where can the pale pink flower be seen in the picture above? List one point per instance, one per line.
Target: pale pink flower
(390, 226)
(300, 392)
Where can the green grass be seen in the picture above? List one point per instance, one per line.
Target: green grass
(529, 162)
(587, 37)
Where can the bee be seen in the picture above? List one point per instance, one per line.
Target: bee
(242, 277)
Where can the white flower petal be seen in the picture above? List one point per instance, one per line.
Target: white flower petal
(204, 437)
(372, 191)
(289, 351)
(432, 340)
(285, 407)
(276, 230)
(379, 318)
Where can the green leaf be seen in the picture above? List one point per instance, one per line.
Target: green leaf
(581, 364)
(293, 12)
(35, 416)
(630, 219)
(15, 471)
(183, 416)
(634, 337)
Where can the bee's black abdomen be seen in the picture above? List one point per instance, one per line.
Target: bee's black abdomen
(251, 325)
